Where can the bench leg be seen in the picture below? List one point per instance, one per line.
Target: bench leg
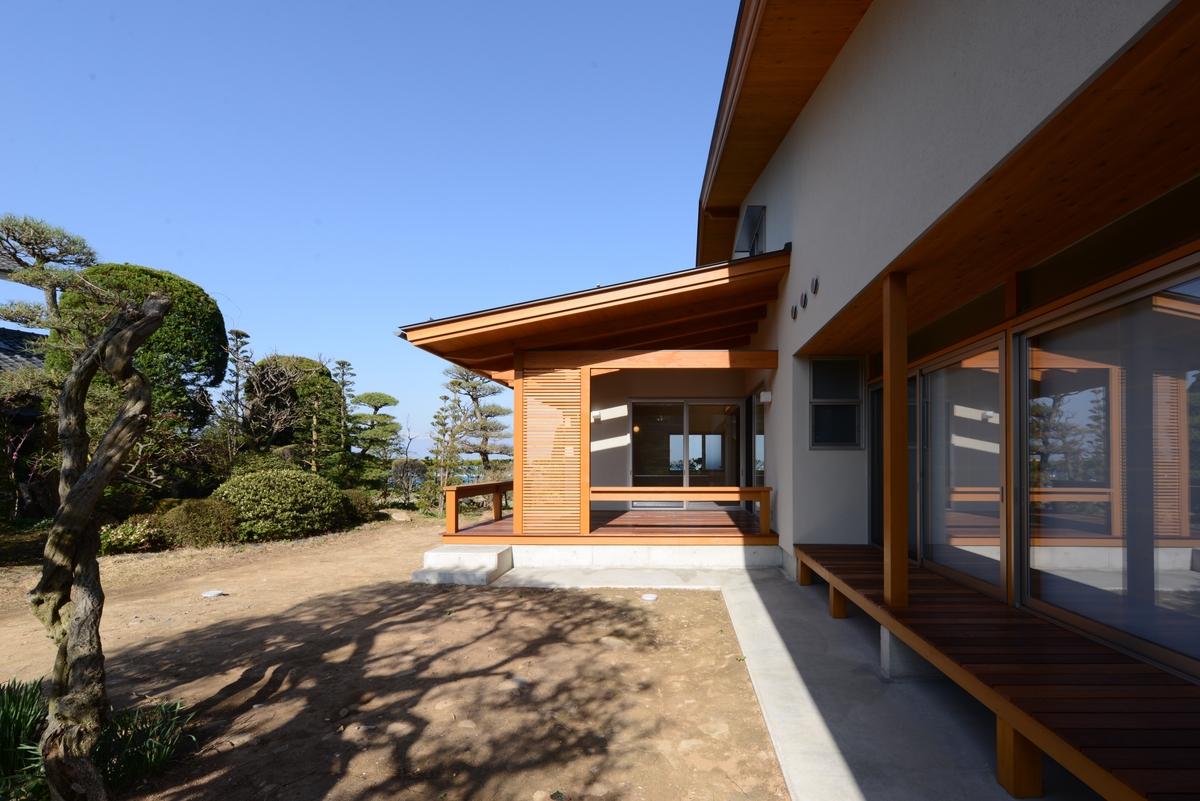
(1018, 762)
(803, 574)
(837, 603)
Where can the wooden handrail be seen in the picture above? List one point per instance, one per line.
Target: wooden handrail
(760, 494)
(453, 493)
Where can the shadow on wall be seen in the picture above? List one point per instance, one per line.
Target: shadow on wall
(396, 687)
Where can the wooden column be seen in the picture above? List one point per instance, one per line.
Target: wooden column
(1018, 762)
(518, 441)
(585, 450)
(895, 439)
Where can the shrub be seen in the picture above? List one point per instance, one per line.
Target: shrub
(199, 523)
(135, 743)
(281, 504)
(360, 506)
(245, 463)
(164, 505)
(140, 533)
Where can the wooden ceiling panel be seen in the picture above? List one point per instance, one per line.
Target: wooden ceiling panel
(1131, 136)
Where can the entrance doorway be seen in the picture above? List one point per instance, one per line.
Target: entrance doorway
(685, 444)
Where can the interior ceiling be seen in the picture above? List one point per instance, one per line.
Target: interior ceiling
(713, 307)
(781, 51)
(1131, 136)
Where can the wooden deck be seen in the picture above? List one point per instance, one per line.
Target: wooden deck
(637, 527)
(1126, 728)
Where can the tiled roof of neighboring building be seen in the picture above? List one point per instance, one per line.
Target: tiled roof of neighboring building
(16, 349)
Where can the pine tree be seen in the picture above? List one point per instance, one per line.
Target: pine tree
(484, 433)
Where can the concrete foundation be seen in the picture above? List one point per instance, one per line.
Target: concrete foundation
(712, 557)
(898, 661)
(474, 565)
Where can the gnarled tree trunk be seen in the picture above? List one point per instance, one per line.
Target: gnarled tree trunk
(68, 599)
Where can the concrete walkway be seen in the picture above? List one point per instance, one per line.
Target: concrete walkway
(841, 730)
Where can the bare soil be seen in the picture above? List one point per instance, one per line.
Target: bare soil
(325, 673)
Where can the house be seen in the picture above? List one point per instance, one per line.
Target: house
(943, 342)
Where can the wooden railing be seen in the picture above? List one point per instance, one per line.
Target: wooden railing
(459, 491)
(760, 494)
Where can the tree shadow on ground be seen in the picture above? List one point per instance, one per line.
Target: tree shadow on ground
(399, 688)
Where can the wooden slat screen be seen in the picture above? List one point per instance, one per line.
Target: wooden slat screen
(551, 451)
(1171, 505)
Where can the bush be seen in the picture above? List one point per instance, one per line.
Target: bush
(282, 504)
(360, 506)
(140, 533)
(245, 463)
(135, 743)
(199, 523)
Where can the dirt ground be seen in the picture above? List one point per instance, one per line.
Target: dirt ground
(325, 673)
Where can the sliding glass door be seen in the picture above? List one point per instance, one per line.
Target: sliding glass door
(685, 444)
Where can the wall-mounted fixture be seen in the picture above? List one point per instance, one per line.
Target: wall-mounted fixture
(793, 311)
(804, 300)
(816, 284)
(764, 396)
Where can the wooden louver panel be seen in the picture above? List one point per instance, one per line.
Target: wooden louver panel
(1171, 505)
(552, 415)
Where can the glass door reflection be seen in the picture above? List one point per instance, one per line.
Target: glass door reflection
(963, 466)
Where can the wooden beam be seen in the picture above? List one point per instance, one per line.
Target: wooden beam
(895, 439)
(655, 359)
(1018, 762)
(585, 451)
(518, 443)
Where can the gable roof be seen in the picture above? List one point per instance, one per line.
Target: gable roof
(17, 349)
(780, 53)
(716, 306)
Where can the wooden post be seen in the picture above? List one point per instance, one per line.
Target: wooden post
(497, 504)
(764, 514)
(803, 573)
(518, 441)
(837, 602)
(451, 510)
(585, 450)
(1018, 762)
(895, 439)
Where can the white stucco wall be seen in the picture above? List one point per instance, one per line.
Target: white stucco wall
(924, 101)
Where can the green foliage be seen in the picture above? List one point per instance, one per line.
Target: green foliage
(140, 533)
(316, 436)
(135, 743)
(22, 715)
(485, 433)
(251, 462)
(138, 742)
(374, 433)
(183, 357)
(282, 504)
(360, 506)
(200, 523)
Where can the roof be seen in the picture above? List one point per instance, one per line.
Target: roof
(710, 307)
(17, 349)
(780, 53)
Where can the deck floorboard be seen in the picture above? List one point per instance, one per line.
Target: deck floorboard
(716, 526)
(1121, 724)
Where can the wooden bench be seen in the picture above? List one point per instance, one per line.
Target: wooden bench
(1127, 729)
(457, 492)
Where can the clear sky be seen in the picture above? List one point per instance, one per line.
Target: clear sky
(332, 171)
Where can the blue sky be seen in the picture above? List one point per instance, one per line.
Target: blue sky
(332, 171)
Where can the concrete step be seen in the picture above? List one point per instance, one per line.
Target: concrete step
(474, 565)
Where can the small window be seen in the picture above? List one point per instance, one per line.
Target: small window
(836, 403)
(752, 233)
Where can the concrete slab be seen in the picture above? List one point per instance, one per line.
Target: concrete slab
(841, 729)
(472, 565)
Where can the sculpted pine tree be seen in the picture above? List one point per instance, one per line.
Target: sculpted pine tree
(68, 599)
(485, 434)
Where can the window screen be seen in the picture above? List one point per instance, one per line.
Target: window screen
(836, 403)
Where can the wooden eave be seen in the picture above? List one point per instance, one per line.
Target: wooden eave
(717, 306)
(1129, 137)
(780, 53)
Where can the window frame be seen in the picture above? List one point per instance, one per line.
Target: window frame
(859, 443)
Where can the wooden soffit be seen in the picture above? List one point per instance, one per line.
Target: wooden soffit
(1129, 137)
(717, 307)
(780, 53)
